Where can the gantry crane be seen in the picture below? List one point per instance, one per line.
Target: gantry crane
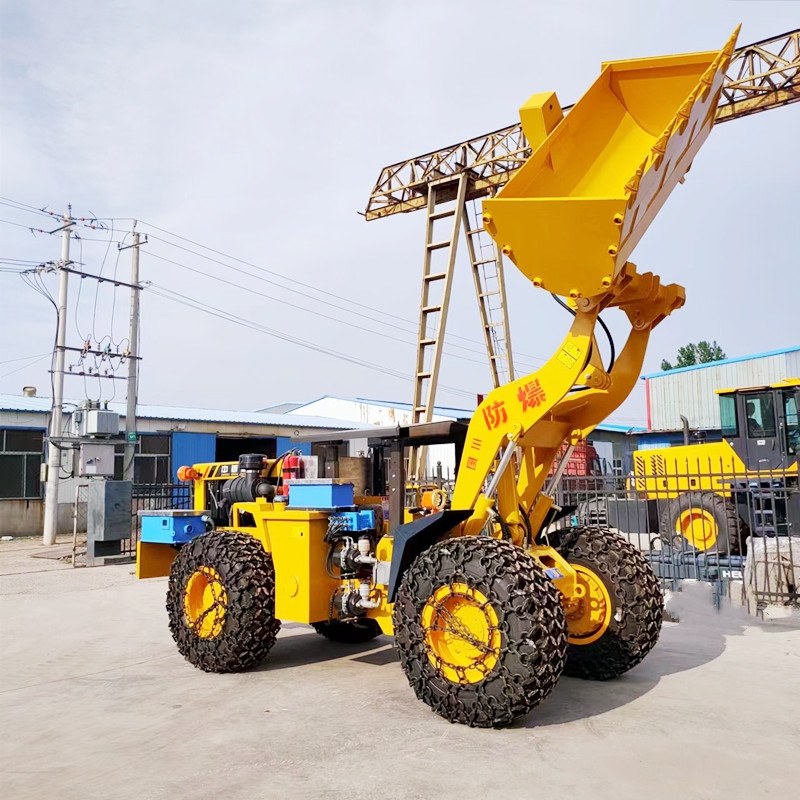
(446, 182)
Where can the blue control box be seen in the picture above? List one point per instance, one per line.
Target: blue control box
(353, 520)
(321, 493)
(171, 527)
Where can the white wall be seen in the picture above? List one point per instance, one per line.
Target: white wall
(380, 416)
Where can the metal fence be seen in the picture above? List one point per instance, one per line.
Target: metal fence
(144, 496)
(739, 533)
(154, 497)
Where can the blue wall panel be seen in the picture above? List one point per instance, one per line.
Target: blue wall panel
(192, 448)
(284, 443)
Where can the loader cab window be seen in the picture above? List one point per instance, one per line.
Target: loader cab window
(792, 423)
(760, 413)
(727, 413)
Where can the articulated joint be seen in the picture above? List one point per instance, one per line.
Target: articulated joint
(557, 568)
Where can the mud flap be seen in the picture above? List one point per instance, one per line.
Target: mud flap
(414, 537)
(154, 560)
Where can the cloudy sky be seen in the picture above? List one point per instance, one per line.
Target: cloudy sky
(246, 136)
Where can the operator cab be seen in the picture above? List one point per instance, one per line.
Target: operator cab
(762, 425)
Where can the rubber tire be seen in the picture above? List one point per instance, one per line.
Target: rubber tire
(349, 632)
(249, 627)
(637, 603)
(531, 618)
(731, 531)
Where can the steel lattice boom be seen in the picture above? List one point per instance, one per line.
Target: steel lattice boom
(761, 76)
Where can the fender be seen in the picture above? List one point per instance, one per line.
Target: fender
(414, 537)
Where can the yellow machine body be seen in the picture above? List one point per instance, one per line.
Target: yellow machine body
(295, 540)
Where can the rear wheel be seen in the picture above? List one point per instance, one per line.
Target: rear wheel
(221, 602)
(480, 631)
(703, 521)
(353, 632)
(615, 618)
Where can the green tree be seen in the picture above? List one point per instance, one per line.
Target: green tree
(691, 354)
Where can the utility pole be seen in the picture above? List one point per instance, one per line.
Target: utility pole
(53, 452)
(133, 365)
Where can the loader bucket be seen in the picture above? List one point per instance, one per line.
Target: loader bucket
(571, 216)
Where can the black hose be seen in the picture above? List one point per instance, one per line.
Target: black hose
(329, 563)
(527, 523)
(610, 338)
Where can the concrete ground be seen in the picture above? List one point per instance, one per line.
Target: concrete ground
(95, 702)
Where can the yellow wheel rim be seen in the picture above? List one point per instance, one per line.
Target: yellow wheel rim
(462, 633)
(698, 527)
(589, 610)
(205, 602)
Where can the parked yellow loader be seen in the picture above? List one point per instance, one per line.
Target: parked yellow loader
(486, 608)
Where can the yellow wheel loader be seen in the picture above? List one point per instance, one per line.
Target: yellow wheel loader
(712, 496)
(488, 605)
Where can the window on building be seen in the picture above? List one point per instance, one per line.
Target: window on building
(21, 453)
(151, 462)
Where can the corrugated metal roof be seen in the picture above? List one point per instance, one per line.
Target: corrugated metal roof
(710, 364)
(280, 408)
(42, 405)
(13, 402)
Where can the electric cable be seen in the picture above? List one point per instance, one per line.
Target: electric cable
(299, 307)
(183, 299)
(613, 355)
(340, 298)
(97, 285)
(95, 222)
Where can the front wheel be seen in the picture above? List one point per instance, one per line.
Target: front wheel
(614, 619)
(480, 631)
(703, 521)
(221, 602)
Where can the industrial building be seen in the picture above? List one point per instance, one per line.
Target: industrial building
(691, 392)
(168, 437)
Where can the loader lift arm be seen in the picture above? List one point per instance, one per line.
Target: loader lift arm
(568, 219)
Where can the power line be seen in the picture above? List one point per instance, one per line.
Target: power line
(521, 357)
(315, 299)
(23, 358)
(299, 307)
(199, 305)
(25, 366)
(340, 298)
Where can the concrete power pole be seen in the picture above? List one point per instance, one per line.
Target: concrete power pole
(53, 452)
(133, 365)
